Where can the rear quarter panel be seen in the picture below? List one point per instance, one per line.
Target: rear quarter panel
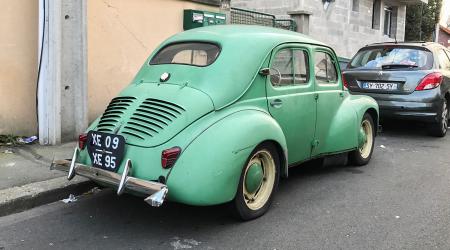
(209, 169)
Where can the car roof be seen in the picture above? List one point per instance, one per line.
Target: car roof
(244, 49)
(409, 43)
(257, 36)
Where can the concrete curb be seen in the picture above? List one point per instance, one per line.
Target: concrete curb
(17, 199)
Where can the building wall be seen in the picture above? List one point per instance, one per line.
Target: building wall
(18, 71)
(444, 18)
(340, 27)
(121, 35)
(444, 38)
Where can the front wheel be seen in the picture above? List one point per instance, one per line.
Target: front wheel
(258, 182)
(366, 141)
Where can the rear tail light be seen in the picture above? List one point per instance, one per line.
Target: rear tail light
(430, 81)
(344, 81)
(82, 138)
(169, 157)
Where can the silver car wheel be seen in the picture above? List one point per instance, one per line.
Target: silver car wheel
(444, 115)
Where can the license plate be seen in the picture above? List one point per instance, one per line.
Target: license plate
(379, 85)
(105, 150)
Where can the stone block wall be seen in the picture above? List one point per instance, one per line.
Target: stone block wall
(338, 26)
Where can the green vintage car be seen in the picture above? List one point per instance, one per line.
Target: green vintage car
(218, 114)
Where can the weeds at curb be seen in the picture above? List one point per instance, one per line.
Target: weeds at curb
(8, 140)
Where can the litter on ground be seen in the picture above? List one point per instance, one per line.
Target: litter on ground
(71, 198)
(27, 140)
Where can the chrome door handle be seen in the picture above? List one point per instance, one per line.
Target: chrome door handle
(276, 103)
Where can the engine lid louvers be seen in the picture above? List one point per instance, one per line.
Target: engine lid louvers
(114, 113)
(151, 118)
(148, 115)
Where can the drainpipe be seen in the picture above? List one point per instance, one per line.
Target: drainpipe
(49, 77)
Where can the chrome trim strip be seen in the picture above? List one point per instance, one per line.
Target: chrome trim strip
(157, 191)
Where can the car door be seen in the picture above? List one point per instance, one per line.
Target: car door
(291, 98)
(329, 94)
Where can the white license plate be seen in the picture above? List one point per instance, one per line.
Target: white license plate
(379, 85)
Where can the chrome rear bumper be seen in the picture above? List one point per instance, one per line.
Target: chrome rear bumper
(157, 191)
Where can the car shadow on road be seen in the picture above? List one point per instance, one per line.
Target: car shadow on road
(403, 128)
(128, 209)
(130, 217)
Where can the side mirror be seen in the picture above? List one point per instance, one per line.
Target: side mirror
(264, 71)
(275, 75)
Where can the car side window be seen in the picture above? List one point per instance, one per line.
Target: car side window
(301, 67)
(444, 61)
(324, 68)
(283, 66)
(292, 66)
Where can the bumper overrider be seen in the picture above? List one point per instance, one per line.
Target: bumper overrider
(157, 191)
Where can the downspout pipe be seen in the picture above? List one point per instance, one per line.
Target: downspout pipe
(40, 72)
(49, 75)
(43, 92)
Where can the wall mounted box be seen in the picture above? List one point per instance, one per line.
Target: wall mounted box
(198, 18)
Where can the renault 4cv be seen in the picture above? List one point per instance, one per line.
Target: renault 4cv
(218, 114)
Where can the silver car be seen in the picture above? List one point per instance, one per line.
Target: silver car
(408, 80)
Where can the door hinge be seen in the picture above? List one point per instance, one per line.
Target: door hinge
(315, 143)
(316, 96)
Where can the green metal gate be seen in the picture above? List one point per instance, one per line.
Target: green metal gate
(242, 16)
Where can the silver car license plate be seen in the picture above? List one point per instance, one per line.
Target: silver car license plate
(380, 85)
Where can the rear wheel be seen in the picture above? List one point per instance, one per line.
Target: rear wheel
(362, 155)
(439, 129)
(258, 182)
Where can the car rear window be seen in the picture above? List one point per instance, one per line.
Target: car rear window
(189, 53)
(377, 57)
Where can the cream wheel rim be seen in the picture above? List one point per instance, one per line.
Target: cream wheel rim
(366, 148)
(257, 199)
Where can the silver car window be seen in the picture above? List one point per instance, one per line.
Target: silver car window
(377, 57)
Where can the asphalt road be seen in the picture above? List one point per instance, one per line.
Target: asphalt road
(400, 200)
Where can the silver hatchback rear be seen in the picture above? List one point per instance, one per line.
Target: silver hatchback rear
(408, 80)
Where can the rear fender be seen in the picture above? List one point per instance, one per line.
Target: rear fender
(209, 169)
(365, 104)
(345, 126)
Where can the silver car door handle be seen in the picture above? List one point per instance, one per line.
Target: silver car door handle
(276, 103)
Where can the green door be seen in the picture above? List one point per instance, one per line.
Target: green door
(330, 95)
(291, 100)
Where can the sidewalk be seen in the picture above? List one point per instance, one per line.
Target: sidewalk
(26, 179)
